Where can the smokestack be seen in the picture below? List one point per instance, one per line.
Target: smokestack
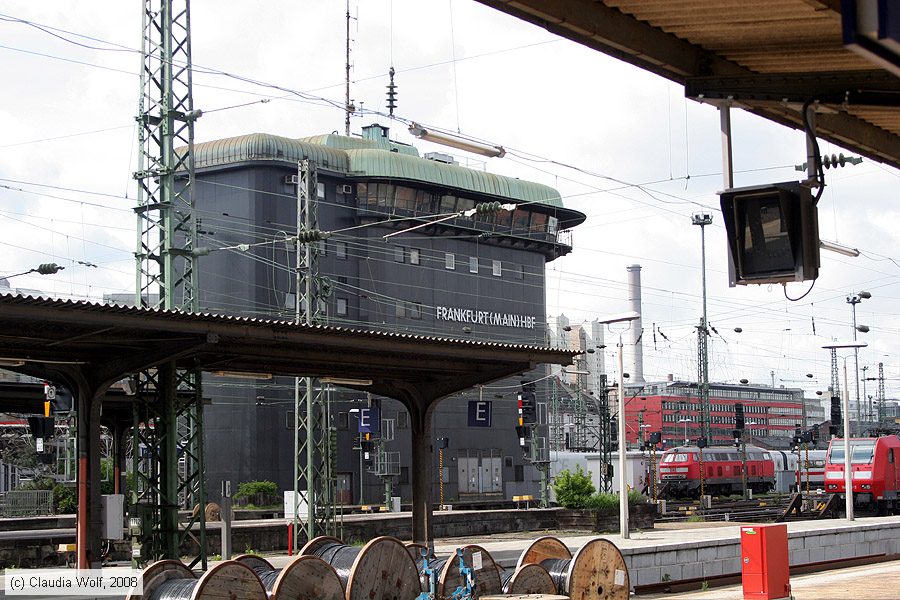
(634, 356)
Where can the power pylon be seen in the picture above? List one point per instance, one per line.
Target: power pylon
(168, 418)
(313, 447)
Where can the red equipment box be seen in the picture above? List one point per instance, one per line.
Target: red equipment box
(765, 570)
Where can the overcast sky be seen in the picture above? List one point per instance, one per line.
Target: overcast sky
(621, 145)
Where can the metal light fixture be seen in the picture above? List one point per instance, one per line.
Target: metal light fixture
(346, 381)
(839, 248)
(455, 141)
(848, 474)
(626, 317)
(243, 374)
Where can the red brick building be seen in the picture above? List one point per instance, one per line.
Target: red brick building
(673, 407)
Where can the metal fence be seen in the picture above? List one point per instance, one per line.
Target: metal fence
(26, 503)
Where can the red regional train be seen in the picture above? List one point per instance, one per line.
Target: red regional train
(875, 471)
(679, 470)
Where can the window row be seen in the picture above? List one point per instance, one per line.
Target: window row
(387, 197)
(414, 257)
(753, 409)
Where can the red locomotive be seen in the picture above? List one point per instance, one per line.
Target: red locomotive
(875, 471)
(679, 471)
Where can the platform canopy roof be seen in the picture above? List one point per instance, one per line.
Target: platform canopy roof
(44, 338)
(769, 56)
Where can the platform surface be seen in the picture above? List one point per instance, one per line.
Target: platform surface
(869, 582)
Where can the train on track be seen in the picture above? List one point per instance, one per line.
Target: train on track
(680, 470)
(875, 471)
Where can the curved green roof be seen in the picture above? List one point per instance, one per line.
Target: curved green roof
(362, 157)
(378, 163)
(262, 146)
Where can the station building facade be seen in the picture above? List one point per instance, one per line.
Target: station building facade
(478, 277)
(771, 414)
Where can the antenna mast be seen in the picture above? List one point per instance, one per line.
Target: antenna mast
(348, 108)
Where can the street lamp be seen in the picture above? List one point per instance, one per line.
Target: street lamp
(853, 300)
(623, 485)
(703, 219)
(848, 475)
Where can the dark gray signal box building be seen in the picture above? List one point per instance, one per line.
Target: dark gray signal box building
(477, 277)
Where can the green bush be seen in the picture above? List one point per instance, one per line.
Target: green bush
(260, 493)
(635, 497)
(573, 490)
(609, 503)
(604, 503)
(64, 499)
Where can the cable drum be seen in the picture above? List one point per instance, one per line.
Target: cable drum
(264, 570)
(174, 589)
(527, 579)
(596, 572)
(558, 569)
(505, 578)
(158, 575)
(171, 580)
(381, 570)
(304, 578)
(435, 564)
(485, 573)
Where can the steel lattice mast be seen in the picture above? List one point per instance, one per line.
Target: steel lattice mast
(313, 460)
(168, 412)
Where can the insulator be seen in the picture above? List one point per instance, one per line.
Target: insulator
(49, 268)
(487, 207)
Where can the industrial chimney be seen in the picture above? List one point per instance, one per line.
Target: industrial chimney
(633, 354)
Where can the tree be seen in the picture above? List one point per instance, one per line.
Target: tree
(573, 490)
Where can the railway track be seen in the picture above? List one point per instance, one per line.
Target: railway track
(726, 509)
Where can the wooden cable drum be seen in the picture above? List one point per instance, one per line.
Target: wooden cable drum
(158, 573)
(230, 579)
(596, 572)
(484, 571)
(415, 550)
(304, 578)
(529, 578)
(381, 570)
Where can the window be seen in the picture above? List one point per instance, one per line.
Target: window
(519, 474)
(473, 264)
(340, 250)
(402, 419)
(450, 261)
(415, 311)
(520, 272)
(497, 268)
(406, 198)
(320, 190)
(399, 254)
(413, 256)
(341, 307)
(448, 204)
(400, 309)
